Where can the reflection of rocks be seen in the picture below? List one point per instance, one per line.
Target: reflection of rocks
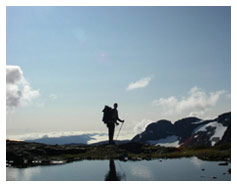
(229, 171)
(223, 164)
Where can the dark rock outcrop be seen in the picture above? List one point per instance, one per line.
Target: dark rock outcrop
(187, 131)
(157, 130)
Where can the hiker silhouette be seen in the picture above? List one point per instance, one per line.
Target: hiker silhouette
(112, 175)
(111, 120)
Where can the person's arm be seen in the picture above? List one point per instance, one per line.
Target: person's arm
(117, 117)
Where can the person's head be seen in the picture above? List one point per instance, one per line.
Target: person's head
(115, 105)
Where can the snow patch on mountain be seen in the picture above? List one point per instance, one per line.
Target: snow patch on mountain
(218, 134)
(170, 141)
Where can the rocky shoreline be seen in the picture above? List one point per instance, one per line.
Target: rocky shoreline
(26, 154)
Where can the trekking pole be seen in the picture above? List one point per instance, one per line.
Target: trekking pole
(119, 131)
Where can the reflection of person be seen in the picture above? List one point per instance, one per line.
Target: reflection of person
(112, 174)
(111, 125)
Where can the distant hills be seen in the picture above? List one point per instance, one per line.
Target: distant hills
(82, 139)
(189, 131)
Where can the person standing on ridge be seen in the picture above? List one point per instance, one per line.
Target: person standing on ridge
(114, 120)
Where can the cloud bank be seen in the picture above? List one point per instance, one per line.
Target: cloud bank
(139, 84)
(18, 90)
(195, 104)
(73, 136)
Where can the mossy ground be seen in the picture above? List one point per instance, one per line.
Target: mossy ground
(150, 152)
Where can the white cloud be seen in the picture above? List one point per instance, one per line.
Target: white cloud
(18, 90)
(29, 136)
(96, 135)
(139, 84)
(195, 104)
(141, 126)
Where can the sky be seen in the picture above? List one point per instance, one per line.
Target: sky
(65, 63)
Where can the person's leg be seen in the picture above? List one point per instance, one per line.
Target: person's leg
(111, 132)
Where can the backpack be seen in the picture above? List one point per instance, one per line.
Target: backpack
(108, 114)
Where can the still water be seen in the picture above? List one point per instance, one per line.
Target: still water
(184, 169)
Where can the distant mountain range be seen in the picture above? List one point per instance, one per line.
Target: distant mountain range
(82, 139)
(189, 131)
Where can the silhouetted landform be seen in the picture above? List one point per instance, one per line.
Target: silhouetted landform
(190, 131)
(205, 139)
(25, 154)
(76, 139)
(117, 142)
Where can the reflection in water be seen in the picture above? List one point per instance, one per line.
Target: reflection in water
(183, 169)
(112, 175)
(141, 171)
(196, 162)
(22, 173)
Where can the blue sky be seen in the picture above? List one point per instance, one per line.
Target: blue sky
(177, 60)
